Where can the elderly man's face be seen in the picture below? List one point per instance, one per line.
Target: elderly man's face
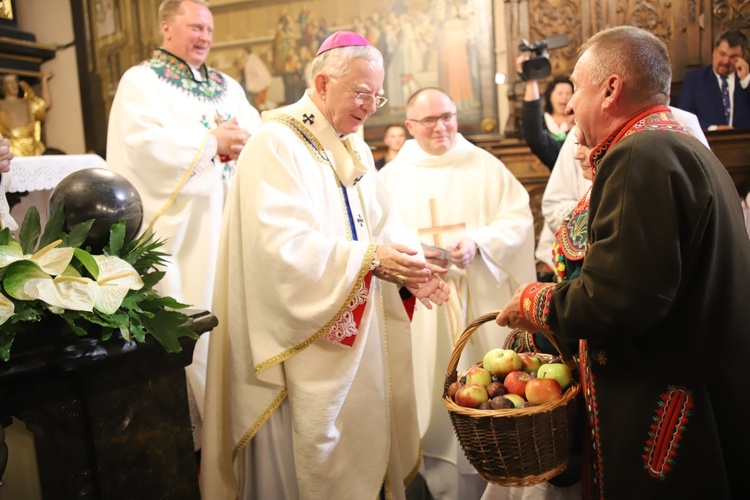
(346, 98)
(431, 120)
(725, 57)
(189, 34)
(586, 104)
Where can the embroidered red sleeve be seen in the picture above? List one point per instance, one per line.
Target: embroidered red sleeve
(535, 301)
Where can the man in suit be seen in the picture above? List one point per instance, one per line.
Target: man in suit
(719, 94)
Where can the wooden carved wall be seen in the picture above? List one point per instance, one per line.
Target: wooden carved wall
(687, 27)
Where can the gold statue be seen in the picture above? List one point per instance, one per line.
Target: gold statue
(21, 116)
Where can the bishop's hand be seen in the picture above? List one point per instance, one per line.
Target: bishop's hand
(435, 291)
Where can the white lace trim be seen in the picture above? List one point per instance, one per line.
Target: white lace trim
(35, 173)
(345, 326)
(200, 181)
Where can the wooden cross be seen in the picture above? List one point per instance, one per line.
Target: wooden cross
(436, 230)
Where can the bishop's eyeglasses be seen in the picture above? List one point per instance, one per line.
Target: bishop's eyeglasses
(431, 121)
(363, 98)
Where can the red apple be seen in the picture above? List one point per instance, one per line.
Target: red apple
(515, 382)
(501, 362)
(557, 371)
(542, 390)
(471, 396)
(517, 400)
(496, 389)
(453, 388)
(478, 375)
(530, 363)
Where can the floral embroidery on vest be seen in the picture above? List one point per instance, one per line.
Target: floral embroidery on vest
(588, 388)
(177, 73)
(666, 431)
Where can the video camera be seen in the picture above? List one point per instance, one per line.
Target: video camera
(538, 66)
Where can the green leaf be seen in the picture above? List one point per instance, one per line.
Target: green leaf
(169, 302)
(167, 327)
(138, 333)
(88, 262)
(151, 279)
(53, 230)
(30, 229)
(79, 233)
(5, 236)
(116, 238)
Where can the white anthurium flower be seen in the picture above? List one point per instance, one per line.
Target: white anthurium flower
(7, 308)
(116, 277)
(51, 260)
(26, 281)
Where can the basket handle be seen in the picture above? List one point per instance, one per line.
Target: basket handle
(565, 354)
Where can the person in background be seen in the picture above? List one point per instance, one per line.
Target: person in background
(394, 138)
(545, 131)
(310, 390)
(175, 128)
(473, 217)
(666, 247)
(720, 94)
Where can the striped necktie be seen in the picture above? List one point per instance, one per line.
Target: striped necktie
(725, 97)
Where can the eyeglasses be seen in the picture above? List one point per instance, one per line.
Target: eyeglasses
(431, 121)
(363, 98)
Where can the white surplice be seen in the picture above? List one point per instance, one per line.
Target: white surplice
(290, 276)
(469, 193)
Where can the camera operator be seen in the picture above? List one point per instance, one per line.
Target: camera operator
(545, 132)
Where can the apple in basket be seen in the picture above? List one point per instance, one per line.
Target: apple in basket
(557, 371)
(516, 381)
(517, 400)
(530, 363)
(501, 362)
(471, 396)
(478, 375)
(542, 390)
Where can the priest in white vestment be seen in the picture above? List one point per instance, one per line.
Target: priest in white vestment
(310, 390)
(458, 197)
(175, 128)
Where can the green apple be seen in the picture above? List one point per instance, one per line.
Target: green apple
(557, 371)
(501, 362)
(478, 375)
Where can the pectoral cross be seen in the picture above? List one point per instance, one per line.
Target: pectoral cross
(437, 230)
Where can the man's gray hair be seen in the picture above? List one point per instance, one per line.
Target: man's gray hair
(335, 62)
(635, 54)
(170, 8)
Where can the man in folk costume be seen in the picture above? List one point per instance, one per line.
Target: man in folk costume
(666, 254)
(175, 128)
(310, 390)
(456, 196)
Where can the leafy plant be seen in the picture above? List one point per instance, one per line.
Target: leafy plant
(48, 275)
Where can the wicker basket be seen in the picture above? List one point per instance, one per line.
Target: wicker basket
(516, 446)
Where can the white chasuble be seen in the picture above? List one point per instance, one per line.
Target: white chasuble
(465, 192)
(304, 323)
